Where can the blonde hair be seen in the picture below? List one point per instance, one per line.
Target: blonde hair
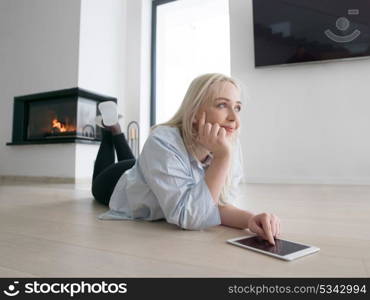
(203, 90)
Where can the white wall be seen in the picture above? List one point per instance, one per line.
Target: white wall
(38, 52)
(102, 47)
(306, 123)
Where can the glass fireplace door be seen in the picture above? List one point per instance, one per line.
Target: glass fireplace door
(62, 118)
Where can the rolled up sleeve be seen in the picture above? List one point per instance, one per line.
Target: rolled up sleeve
(168, 173)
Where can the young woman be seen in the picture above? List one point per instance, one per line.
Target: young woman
(189, 168)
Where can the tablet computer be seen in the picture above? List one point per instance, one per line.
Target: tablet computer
(283, 249)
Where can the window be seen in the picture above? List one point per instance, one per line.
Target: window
(190, 38)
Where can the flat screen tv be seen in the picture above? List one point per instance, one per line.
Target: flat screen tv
(295, 31)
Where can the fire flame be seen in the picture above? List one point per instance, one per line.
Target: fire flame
(59, 125)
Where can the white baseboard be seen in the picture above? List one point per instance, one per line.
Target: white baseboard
(36, 179)
(323, 180)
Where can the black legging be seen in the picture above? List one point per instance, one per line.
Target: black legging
(106, 171)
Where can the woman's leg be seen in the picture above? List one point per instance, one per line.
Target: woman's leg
(104, 183)
(123, 150)
(106, 172)
(112, 139)
(105, 156)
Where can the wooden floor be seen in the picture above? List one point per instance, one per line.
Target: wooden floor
(53, 231)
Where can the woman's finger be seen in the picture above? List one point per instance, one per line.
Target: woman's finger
(222, 133)
(276, 222)
(207, 129)
(201, 124)
(273, 227)
(215, 129)
(266, 225)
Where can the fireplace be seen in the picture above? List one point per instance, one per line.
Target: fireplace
(64, 116)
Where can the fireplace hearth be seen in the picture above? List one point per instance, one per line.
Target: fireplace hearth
(63, 116)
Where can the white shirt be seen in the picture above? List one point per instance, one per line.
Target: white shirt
(165, 182)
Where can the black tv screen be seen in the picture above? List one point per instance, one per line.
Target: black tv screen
(294, 31)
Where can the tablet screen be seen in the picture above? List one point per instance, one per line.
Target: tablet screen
(281, 247)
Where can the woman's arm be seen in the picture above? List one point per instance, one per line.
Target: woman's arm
(213, 138)
(216, 175)
(234, 217)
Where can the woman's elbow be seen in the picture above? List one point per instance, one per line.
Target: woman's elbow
(195, 227)
(193, 224)
(187, 223)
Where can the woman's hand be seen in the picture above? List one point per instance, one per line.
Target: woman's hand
(213, 137)
(265, 225)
